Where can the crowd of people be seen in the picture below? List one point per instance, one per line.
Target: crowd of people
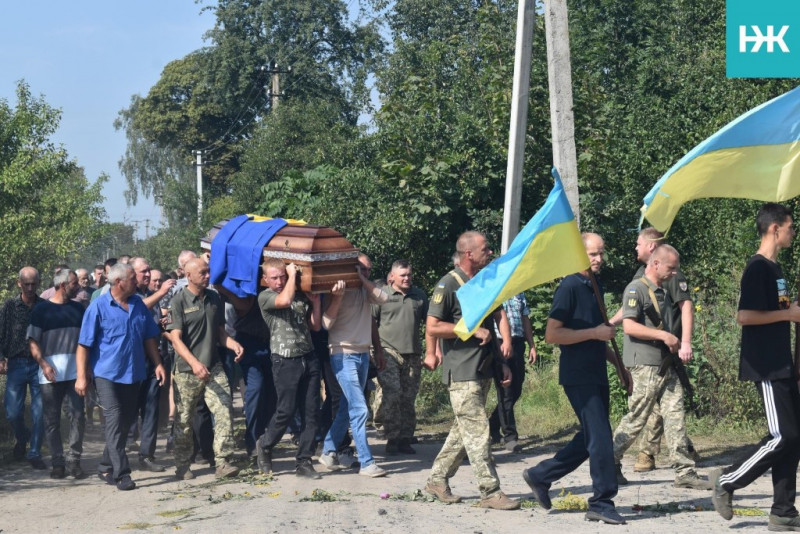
(305, 359)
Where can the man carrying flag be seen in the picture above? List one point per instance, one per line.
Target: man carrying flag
(576, 324)
(467, 370)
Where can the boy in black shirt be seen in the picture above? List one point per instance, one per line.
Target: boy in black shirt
(766, 313)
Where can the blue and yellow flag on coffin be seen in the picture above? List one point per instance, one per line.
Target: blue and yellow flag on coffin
(548, 247)
(755, 156)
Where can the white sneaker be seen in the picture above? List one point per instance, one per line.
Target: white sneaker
(330, 461)
(372, 470)
(346, 458)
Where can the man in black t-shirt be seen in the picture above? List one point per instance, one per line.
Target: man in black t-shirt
(766, 313)
(576, 325)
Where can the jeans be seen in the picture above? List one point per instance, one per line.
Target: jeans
(297, 385)
(22, 374)
(351, 373)
(52, 399)
(119, 405)
(259, 394)
(149, 397)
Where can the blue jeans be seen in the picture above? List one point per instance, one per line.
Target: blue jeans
(351, 373)
(24, 373)
(259, 396)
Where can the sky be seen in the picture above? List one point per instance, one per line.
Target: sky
(87, 58)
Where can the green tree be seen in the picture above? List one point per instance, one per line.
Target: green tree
(49, 207)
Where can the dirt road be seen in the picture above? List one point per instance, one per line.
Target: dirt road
(347, 502)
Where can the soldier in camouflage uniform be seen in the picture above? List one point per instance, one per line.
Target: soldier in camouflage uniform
(682, 326)
(646, 322)
(196, 332)
(467, 371)
(399, 322)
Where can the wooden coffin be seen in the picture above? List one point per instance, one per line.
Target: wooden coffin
(323, 254)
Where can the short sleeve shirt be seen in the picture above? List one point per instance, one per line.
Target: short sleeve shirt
(575, 306)
(678, 290)
(290, 336)
(399, 319)
(637, 305)
(462, 360)
(56, 328)
(199, 319)
(115, 338)
(766, 350)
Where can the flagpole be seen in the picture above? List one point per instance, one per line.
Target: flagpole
(623, 378)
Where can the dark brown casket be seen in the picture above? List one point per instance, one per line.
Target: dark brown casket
(323, 254)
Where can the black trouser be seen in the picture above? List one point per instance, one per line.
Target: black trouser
(297, 386)
(502, 417)
(778, 450)
(203, 432)
(593, 441)
(119, 408)
(52, 399)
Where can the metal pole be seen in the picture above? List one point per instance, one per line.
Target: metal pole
(519, 121)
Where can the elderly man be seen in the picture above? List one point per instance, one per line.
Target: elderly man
(399, 320)
(350, 327)
(576, 325)
(197, 331)
(150, 392)
(15, 317)
(467, 369)
(116, 333)
(85, 290)
(647, 323)
(53, 337)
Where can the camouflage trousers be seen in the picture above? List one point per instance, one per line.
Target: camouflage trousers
(398, 384)
(468, 437)
(649, 391)
(188, 390)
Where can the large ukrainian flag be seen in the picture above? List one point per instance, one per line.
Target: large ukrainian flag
(548, 247)
(755, 156)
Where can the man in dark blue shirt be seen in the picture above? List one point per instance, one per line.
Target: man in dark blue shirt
(576, 325)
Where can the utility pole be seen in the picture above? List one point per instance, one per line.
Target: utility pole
(562, 119)
(519, 121)
(199, 165)
(274, 92)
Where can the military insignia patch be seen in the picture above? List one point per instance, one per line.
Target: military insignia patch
(631, 303)
(684, 286)
(437, 298)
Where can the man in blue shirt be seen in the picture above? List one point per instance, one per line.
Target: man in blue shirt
(116, 332)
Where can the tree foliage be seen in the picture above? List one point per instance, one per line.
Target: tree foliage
(49, 208)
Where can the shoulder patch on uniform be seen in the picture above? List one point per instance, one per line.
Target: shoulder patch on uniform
(683, 285)
(632, 291)
(631, 303)
(441, 286)
(438, 298)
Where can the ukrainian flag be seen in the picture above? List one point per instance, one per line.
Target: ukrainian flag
(548, 247)
(755, 156)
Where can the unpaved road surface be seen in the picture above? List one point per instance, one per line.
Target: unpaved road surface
(31, 502)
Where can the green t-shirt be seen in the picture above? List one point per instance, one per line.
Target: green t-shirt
(399, 319)
(289, 333)
(635, 304)
(462, 360)
(199, 319)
